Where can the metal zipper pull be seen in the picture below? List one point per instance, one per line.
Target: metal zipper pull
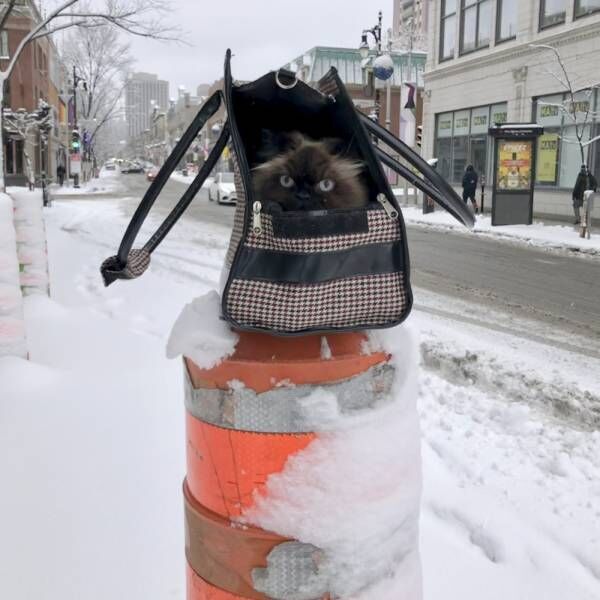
(392, 213)
(256, 220)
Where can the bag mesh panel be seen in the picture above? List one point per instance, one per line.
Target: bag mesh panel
(382, 230)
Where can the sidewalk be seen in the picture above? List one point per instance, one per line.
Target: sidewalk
(554, 235)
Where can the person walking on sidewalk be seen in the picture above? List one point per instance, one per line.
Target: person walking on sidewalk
(469, 184)
(585, 181)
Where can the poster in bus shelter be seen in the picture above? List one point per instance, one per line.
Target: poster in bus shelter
(547, 158)
(514, 165)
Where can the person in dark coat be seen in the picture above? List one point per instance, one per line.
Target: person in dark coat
(585, 181)
(469, 184)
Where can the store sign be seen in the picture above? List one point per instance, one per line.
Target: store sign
(499, 114)
(547, 158)
(462, 121)
(513, 171)
(444, 128)
(480, 120)
(550, 110)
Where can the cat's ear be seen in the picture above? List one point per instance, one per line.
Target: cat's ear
(273, 143)
(334, 145)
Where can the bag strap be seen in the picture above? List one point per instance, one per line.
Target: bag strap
(446, 196)
(128, 263)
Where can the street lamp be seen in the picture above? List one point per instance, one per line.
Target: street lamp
(365, 50)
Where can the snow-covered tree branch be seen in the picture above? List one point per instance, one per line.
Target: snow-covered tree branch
(145, 18)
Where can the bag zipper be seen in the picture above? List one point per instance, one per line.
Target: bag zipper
(256, 220)
(392, 213)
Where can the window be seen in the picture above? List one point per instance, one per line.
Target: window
(559, 156)
(448, 29)
(552, 12)
(586, 7)
(506, 20)
(462, 138)
(4, 45)
(476, 19)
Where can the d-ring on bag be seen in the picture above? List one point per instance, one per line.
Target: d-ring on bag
(305, 271)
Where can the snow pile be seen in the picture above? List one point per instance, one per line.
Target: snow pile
(200, 334)
(31, 240)
(107, 183)
(12, 328)
(355, 491)
(538, 234)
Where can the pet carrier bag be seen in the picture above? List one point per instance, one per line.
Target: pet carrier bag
(299, 272)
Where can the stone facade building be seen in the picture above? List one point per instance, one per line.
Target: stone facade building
(482, 69)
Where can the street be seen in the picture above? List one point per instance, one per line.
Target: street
(531, 292)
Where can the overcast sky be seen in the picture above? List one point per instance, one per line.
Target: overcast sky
(263, 35)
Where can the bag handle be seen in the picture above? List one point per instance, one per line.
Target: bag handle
(128, 263)
(445, 196)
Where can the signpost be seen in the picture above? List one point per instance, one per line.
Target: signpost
(514, 172)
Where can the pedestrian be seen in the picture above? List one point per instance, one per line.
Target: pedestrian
(585, 181)
(60, 174)
(469, 184)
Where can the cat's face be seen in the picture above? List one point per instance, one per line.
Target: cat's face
(306, 175)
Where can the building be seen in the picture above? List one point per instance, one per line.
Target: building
(38, 75)
(314, 64)
(143, 91)
(482, 70)
(405, 10)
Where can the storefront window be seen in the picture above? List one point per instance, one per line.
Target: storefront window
(19, 147)
(462, 139)
(586, 7)
(559, 153)
(448, 29)
(506, 25)
(552, 12)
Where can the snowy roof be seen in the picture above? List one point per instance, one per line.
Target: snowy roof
(347, 61)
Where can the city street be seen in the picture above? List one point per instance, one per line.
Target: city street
(539, 294)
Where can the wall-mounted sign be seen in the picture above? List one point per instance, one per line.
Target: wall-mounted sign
(462, 119)
(444, 125)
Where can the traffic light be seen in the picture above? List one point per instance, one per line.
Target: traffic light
(75, 141)
(419, 136)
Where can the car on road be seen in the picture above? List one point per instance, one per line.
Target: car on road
(110, 166)
(151, 173)
(131, 167)
(222, 189)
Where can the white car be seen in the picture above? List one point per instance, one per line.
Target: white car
(222, 189)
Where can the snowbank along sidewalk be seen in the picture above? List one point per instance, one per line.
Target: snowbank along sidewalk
(92, 441)
(546, 235)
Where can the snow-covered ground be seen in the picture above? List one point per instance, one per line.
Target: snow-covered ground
(92, 441)
(543, 234)
(108, 182)
(187, 179)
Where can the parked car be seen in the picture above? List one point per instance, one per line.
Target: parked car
(151, 174)
(110, 166)
(222, 189)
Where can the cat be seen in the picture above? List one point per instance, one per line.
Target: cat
(303, 174)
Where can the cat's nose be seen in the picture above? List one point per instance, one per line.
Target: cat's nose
(303, 194)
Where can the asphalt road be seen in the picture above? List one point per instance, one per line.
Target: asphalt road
(561, 292)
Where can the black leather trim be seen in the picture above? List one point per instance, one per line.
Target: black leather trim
(319, 223)
(285, 267)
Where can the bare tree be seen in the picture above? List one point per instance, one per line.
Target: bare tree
(102, 60)
(145, 18)
(27, 127)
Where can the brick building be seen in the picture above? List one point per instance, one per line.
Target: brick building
(38, 75)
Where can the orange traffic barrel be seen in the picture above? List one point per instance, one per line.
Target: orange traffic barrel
(245, 418)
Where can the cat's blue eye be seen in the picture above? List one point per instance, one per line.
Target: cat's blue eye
(326, 185)
(286, 181)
